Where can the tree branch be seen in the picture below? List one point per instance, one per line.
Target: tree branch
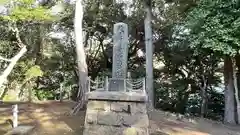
(5, 59)
(13, 62)
(19, 41)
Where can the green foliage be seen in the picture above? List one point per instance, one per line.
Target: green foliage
(44, 94)
(33, 72)
(51, 62)
(25, 10)
(9, 98)
(215, 25)
(4, 1)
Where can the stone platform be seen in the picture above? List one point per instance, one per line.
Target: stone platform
(116, 113)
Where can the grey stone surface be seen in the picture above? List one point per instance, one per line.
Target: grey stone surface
(102, 130)
(117, 96)
(99, 105)
(116, 85)
(139, 121)
(120, 106)
(116, 120)
(120, 50)
(137, 108)
(107, 130)
(91, 116)
(109, 118)
(134, 131)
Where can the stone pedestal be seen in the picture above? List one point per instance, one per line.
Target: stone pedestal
(116, 113)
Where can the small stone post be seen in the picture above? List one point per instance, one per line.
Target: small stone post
(61, 90)
(106, 83)
(125, 84)
(97, 83)
(129, 84)
(15, 115)
(128, 75)
(89, 84)
(144, 85)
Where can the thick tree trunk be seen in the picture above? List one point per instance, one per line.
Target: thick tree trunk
(149, 55)
(203, 103)
(183, 97)
(229, 112)
(38, 50)
(204, 97)
(237, 58)
(236, 90)
(81, 56)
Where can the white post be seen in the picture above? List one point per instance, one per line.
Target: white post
(89, 84)
(128, 75)
(60, 92)
(144, 85)
(129, 81)
(97, 82)
(106, 83)
(15, 115)
(125, 85)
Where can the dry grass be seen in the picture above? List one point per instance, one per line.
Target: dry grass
(49, 119)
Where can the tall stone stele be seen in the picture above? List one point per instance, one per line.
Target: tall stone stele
(116, 111)
(120, 51)
(120, 56)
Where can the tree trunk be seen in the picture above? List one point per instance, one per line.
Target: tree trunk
(237, 58)
(81, 57)
(149, 55)
(38, 50)
(10, 67)
(204, 96)
(236, 90)
(183, 97)
(229, 111)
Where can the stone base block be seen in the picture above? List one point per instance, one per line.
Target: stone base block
(110, 117)
(109, 130)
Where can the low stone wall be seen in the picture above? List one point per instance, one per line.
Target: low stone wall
(116, 117)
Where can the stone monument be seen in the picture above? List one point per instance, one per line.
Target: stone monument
(120, 56)
(120, 50)
(116, 111)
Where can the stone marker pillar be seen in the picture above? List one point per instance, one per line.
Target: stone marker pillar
(120, 56)
(120, 50)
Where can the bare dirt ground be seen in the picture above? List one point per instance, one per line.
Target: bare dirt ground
(49, 118)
